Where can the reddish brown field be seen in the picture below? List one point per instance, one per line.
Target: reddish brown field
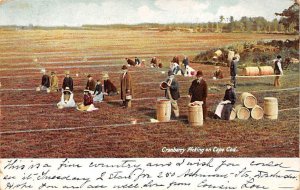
(32, 126)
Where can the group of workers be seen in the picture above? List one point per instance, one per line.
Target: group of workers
(198, 90)
(93, 91)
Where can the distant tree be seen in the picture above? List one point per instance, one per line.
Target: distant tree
(281, 27)
(231, 24)
(290, 16)
(260, 24)
(222, 18)
(247, 22)
(275, 25)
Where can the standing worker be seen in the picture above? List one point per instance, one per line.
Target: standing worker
(126, 87)
(185, 61)
(277, 70)
(198, 91)
(233, 70)
(68, 82)
(172, 92)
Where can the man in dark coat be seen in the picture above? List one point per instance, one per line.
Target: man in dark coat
(172, 92)
(126, 87)
(130, 62)
(90, 85)
(198, 91)
(68, 82)
(233, 70)
(277, 70)
(185, 61)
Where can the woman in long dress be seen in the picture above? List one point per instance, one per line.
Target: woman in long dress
(224, 108)
(67, 99)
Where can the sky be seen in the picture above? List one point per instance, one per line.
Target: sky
(102, 12)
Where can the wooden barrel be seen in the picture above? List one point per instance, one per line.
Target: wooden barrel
(257, 112)
(218, 53)
(248, 100)
(271, 107)
(242, 112)
(232, 114)
(163, 110)
(266, 70)
(251, 71)
(195, 116)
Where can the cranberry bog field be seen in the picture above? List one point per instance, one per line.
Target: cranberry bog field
(32, 126)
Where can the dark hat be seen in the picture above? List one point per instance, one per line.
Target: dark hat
(89, 75)
(124, 67)
(234, 58)
(52, 72)
(278, 56)
(170, 72)
(199, 74)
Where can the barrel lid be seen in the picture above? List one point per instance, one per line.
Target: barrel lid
(270, 98)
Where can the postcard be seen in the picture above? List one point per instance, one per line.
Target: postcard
(150, 94)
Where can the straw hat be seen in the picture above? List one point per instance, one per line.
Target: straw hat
(105, 76)
(67, 72)
(67, 89)
(86, 90)
(230, 83)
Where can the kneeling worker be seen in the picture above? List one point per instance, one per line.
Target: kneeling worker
(45, 84)
(87, 104)
(53, 82)
(98, 95)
